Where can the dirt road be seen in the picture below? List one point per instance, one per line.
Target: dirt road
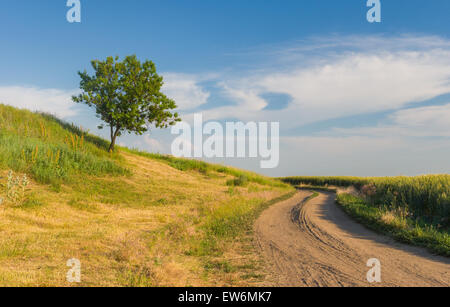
(317, 244)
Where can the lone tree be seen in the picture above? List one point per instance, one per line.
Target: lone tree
(126, 96)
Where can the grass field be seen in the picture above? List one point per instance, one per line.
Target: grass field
(414, 210)
(131, 218)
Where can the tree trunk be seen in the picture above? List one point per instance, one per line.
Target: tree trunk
(113, 138)
(113, 143)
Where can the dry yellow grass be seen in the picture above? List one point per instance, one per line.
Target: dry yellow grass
(138, 230)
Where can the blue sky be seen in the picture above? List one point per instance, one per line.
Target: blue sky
(352, 98)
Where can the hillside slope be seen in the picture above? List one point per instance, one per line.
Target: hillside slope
(132, 219)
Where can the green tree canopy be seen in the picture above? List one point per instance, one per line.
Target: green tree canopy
(127, 96)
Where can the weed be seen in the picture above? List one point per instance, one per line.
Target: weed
(15, 188)
(223, 266)
(241, 181)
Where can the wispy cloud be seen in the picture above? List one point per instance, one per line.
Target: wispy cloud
(185, 90)
(54, 101)
(152, 144)
(360, 75)
(338, 77)
(431, 121)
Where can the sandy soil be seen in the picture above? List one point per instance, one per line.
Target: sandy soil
(317, 244)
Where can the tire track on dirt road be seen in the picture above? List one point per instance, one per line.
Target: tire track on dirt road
(314, 243)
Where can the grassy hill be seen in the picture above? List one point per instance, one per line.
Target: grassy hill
(131, 218)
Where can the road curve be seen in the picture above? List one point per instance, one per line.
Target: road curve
(317, 244)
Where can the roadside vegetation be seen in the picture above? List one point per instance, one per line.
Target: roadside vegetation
(131, 218)
(414, 210)
(398, 224)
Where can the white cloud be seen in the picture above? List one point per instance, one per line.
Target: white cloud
(249, 98)
(360, 43)
(430, 121)
(425, 121)
(364, 83)
(351, 80)
(185, 90)
(342, 77)
(152, 144)
(54, 101)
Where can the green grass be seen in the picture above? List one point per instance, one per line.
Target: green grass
(50, 151)
(393, 223)
(312, 196)
(230, 221)
(317, 188)
(241, 181)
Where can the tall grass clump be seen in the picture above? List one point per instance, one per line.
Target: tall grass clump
(49, 150)
(15, 188)
(241, 181)
(397, 224)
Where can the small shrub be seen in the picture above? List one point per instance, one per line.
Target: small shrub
(222, 266)
(369, 190)
(31, 202)
(241, 181)
(232, 191)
